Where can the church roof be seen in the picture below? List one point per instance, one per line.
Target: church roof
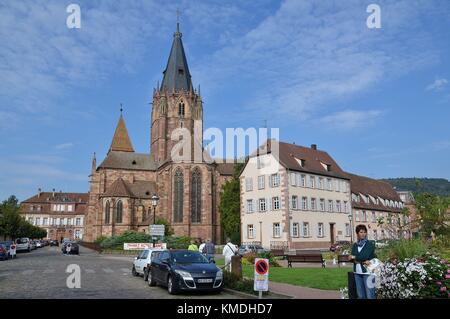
(176, 75)
(121, 141)
(138, 189)
(125, 160)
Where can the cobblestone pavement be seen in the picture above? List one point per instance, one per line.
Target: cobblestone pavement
(42, 274)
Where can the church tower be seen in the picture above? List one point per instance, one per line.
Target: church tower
(176, 105)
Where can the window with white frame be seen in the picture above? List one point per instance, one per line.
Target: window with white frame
(303, 180)
(364, 216)
(347, 230)
(313, 204)
(336, 185)
(63, 208)
(322, 205)
(294, 202)
(276, 203)
(248, 184)
(338, 206)
(78, 221)
(54, 207)
(249, 205)
(357, 216)
(45, 221)
(77, 234)
(330, 206)
(304, 203)
(374, 217)
(320, 230)
(250, 232)
(329, 184)
(292, 179)
(312, 181)
(262, 204)
(38, 220)
(69, 208)
(295, 230)
(275, 180)
(276, 230)
(320, 183)
(69, 221)
(261, 182)
(305, 229)
(346, 207)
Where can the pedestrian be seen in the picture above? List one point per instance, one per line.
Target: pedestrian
(202, 245)
(228, 251)
(209, 250)
(193, 246)
(362, 252)
(12, 250)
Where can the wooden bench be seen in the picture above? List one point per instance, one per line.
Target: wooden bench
(343, 259)
(278, 253)
(305, 258)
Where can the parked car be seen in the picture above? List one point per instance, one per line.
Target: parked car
(4, 252)
(23, 244)
(33, 245)
(339, 245)
(142, 263)
(39, 244)
(245, 249)
(7, 245)
(184, 270)
(54, 242)
(74, 249)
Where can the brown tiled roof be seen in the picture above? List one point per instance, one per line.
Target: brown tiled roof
(121, 141)
(138, 189)
(225, 168)
(59, 197)
(288, 153)
(368, 186)
(124, 160)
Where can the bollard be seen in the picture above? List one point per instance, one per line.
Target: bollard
(236, 266)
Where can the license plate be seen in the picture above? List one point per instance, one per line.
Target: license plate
(204, 281)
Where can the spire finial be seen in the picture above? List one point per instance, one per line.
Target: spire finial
(178, 33)
(121, 109)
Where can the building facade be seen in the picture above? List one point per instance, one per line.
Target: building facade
(378, 206)
(62, 215)
(296, 199)
(188, 186)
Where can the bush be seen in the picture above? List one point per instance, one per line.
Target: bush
(402, 249)
(232, 281)
(177, 242)
(129, 236)
(272, 261)
(100, 239)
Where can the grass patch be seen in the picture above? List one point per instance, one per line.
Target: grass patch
(320, 278)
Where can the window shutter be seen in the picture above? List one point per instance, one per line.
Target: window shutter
(302, 233)
(269, 203)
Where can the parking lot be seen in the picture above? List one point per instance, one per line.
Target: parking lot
(42, 274)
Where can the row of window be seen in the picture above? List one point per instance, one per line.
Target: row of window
(54, 221)
(297, 230)
(363, 216)
(62, 208)
(274, 181)
(368, 199)
(312, 204)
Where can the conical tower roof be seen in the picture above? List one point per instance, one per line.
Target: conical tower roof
(121, 141)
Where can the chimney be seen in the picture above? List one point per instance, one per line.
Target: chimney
(39, 192)
(314, 146)
(53, 194)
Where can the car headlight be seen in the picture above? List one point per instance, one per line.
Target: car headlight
(184, 274)
(219, 274)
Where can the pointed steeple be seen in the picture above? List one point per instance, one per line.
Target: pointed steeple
(176, 75)
(121, 141)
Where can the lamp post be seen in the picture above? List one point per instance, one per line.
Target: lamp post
(350, 218)
(155, 200)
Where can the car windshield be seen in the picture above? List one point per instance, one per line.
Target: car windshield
(189, 258)
(258, 247)
(22, 241)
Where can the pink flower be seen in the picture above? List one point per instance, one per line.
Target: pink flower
(439, 283)
(447, 276)
(443, 289)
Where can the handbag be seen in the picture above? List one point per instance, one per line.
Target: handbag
(352, 294)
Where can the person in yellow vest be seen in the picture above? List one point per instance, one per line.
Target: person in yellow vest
(193, 246)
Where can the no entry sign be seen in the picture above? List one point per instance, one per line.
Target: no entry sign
(261, 282)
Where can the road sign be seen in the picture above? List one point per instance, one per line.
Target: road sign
(261, 282)
(157, 230)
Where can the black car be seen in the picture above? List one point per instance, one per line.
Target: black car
(185, 270)
(54, 243)
(74, 249)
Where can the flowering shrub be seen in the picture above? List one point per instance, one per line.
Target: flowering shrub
(424, 277)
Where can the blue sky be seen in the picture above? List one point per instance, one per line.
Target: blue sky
(378, 100)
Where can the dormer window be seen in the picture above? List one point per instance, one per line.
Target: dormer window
(134, 163)
(300, 162)
(180, 72)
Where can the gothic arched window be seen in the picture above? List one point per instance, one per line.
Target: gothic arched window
(119, 210)
(178, 197)
(181, 109)
(196, 196)
(107, 213)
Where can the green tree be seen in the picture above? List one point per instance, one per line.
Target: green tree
(168, 229)
(10, 219)
(230, 216)
(434, 214)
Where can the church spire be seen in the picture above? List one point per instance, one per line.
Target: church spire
(176, 75)
(121, 141)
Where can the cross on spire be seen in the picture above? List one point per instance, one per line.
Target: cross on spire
(178, 19)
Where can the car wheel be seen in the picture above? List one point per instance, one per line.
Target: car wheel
(133, 272)
(170, 288)
(150, 279)
(145, 274)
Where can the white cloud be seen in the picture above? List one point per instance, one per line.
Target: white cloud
(437, 85)
(64, 146)
(350, 119)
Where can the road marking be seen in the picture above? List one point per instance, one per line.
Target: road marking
(28, 272)
(90, 271)
(108, 270)
(49, 271)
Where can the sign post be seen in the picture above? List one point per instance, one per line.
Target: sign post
(156, 230)
(261, 282)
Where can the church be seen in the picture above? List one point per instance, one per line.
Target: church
(122, 186)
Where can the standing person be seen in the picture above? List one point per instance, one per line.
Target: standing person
(193, 246)
(209, 250)
(202, 245)
(228, 251)
(362, 252)
(12, 250)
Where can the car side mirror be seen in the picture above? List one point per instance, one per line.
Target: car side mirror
(135, 258)
(165, 261)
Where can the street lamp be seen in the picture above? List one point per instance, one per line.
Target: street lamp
(155, 200)
(350, 218)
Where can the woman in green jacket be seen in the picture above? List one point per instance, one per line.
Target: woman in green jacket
(362, 252)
